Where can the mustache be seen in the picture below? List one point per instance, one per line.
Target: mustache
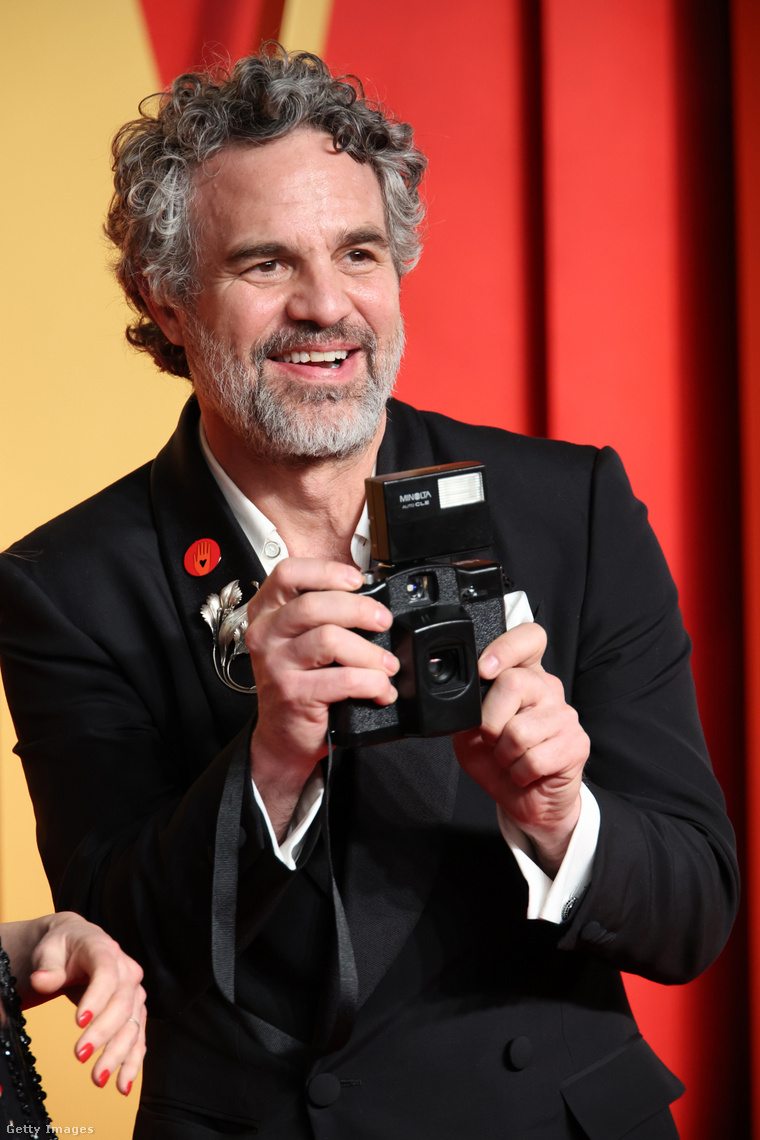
(311, 336)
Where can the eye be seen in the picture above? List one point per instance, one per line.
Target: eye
(359, 256)
(272, 267)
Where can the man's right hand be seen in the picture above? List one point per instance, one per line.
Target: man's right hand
(305, 656)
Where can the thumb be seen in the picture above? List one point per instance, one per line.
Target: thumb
(48, 979)
(54, 961)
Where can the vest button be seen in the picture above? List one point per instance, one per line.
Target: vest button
(323, 1090)
(519, 1053)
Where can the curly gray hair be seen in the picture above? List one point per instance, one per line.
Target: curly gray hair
(264, 97)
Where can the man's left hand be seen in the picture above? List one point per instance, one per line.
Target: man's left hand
(530, 750)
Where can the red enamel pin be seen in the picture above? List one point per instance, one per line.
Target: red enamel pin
(202, 557)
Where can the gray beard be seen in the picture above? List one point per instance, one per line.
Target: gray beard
(290, 420)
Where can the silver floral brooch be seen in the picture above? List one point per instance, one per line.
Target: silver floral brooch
(227, 617)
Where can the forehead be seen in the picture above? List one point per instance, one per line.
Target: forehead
(297, 189)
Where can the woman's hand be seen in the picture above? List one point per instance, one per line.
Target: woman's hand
(63, 953)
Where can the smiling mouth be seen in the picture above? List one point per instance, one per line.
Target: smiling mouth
(331, 358)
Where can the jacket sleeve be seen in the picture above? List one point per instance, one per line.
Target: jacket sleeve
(665, 887)
(128, 820)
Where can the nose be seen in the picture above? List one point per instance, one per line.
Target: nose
(320, 294)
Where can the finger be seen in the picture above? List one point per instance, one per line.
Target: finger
(558, 756)
(533, 753)
(57, 959)
(524, 710)
(318, 688)
(48, 980)
(131, 1065)
(114, 1033)
(523, 646)
(295, 576)
(124, 1049)
(351, 611)
(515, 690)
(106, 978)
(328, 644)
(107, 1004)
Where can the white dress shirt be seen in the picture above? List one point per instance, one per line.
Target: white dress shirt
(548, 899)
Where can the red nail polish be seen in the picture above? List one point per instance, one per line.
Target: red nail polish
(129, 1089)
(85, 1053)
(84, 1018)
(103, 1078)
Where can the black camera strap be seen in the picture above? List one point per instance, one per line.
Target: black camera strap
(338, 1011)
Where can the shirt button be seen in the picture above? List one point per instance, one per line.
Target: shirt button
(323, 1090)
(569, 907)
(272, 549)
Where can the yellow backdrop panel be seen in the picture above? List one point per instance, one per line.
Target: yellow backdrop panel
(77, 407)
(305, 25)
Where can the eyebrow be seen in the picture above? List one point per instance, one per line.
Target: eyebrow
(366, 235)
(265, 250)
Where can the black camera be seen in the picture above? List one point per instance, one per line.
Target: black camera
(444, 613)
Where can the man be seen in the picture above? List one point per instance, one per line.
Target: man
(415, 939)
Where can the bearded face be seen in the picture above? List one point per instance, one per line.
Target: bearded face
(294, 335)
(282, 417)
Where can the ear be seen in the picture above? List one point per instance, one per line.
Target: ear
(166, 317)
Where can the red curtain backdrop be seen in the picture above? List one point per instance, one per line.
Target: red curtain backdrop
(580, 281)
(746, 89)
(187, 34)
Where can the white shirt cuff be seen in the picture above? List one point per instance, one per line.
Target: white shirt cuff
(553, 899)
(517, 608)
(307, 807)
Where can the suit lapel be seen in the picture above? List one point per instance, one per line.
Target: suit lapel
(188, 506)
(406, 443)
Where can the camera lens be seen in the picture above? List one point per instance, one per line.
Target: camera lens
(443, 665)
(417, 588)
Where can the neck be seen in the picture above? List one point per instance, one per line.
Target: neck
(315, 504)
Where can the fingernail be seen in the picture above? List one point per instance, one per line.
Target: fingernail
(354, 577)
(103, 1078)
(391, 664)
(383, 617)
(488, 664)
(85, 1052)
(129, 1089)
(84, 1018)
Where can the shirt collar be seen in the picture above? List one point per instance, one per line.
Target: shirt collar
(262, 534)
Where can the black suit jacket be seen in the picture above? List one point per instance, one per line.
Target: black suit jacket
(472, 1020)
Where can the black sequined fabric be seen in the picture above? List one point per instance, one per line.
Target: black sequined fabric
(21, 1094)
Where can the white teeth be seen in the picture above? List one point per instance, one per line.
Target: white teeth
(313, 357)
